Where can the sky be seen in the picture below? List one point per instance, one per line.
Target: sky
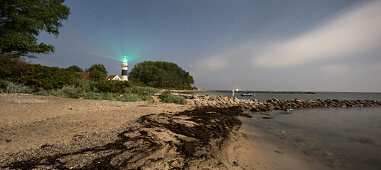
(297, 45)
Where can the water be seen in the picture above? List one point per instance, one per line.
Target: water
(347, 138)
(318, 95)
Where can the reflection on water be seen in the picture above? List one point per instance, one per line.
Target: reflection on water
(349, 138)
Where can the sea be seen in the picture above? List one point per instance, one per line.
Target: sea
(344, 138)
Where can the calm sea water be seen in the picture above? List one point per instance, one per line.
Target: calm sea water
(345, 138)
(318, 95)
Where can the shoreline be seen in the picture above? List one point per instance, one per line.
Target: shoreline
(53, 132)
(253, 148)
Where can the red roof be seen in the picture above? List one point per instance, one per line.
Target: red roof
(85, 75)
(110, 77)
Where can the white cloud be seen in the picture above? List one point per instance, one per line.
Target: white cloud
(352, 33)
(335, 70)
(211, 64)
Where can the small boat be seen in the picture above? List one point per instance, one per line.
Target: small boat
(247, 94)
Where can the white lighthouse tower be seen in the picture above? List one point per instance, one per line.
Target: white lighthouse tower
(124, 68)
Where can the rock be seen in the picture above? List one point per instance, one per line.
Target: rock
(235, 163)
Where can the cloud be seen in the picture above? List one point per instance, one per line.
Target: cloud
(351, 33)
(335, 70)
(211, 64)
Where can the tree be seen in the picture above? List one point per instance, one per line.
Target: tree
(97, 75)
(161, 74)
(97, 72)
(21, 21)
(74, 68)
(98, 67)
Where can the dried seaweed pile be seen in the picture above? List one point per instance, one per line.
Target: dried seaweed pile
(163, 141)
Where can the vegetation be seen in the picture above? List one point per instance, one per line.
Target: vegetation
(97, 72)
(112, 86)
(10, 87)
(168, 97)
(74, 68)
(161, 74)
(17, 76)
(35, 76)
(21, 21)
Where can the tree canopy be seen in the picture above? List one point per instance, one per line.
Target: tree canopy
(74, 68)
(97, 72)
(21, 21)
(161, 74)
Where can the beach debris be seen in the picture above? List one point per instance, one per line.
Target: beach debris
(235, 163)
(184, 140)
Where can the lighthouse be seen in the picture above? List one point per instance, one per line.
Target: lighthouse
(124, 68)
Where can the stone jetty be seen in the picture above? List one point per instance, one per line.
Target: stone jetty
(274, 104)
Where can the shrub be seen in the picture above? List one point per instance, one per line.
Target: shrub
(41, 92)
(11, 87)
(35, 75)
(100, 96)
(94, 96)
(142, 90)
(130, 98)
(67, 92)
(85, 84)
(112, 86)
(108, 96)
(168, 97)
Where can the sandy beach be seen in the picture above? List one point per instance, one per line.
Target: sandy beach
(51, 132)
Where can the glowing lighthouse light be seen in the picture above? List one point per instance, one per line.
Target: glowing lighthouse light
(124, 68)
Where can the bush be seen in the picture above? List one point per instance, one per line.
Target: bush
(41, 92)
(35, 76)
(85, 84)
(112, 86)
(93, 96)
(168, 97)
(11, 87)
(67, 92)
(108, 96)
(142, 90)
(130, 98)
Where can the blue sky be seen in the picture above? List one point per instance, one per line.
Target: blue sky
(317, 45)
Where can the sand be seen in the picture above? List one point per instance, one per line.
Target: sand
(76, 131)
(255, 149)
(29, 121)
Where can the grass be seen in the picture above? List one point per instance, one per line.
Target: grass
(130, 98)
(67, 92)
(83, 88)
(100, 96)
(168, 97)
(11, 87)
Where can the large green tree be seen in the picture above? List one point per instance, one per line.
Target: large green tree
(97, 72)
(74, 68)
(161, 74)
(21, 21)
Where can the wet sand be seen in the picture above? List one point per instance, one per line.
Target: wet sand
(51, 132)
(255, 149)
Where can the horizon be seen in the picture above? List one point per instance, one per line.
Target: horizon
(316, 46)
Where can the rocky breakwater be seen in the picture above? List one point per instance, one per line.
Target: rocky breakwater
(274, 104)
